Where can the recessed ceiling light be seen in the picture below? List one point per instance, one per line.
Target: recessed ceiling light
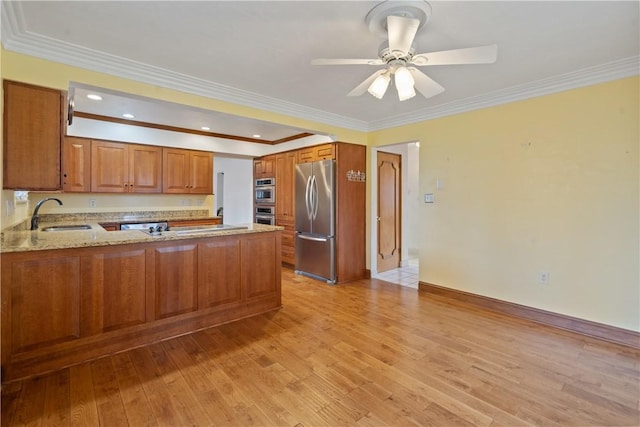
(128, 116)
(205, 128)
(257, 136)
(94, 97)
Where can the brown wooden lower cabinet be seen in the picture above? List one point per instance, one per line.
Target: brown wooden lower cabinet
(259, 274)
(172, 273)
(113, 290)
(43, 312)
(219, 282)
(288, 245)
(63, 307)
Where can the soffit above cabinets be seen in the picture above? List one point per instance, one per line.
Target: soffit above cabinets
(148, 112)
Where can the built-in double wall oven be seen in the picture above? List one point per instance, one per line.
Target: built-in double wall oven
(266, 215)
(265, 199)
(265, 191)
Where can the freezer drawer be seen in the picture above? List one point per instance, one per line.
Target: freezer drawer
(316, 256)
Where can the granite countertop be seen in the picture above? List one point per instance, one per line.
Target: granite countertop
(20, 239)
(38, 240)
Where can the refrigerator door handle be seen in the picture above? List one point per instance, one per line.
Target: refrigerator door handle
(307, 197)
(315, 239)
(315, 197)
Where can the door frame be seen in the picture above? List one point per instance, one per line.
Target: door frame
(373, 191)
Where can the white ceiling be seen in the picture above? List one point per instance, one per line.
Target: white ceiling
(258, 53)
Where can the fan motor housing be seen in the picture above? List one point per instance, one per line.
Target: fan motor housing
(376, 19)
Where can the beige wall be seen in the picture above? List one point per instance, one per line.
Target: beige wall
(549, 184)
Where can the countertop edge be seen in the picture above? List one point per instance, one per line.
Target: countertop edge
(31, 241)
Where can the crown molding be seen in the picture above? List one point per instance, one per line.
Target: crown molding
(15, 37)
(588, 76)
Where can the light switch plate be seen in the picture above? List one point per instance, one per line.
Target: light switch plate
(428, 198)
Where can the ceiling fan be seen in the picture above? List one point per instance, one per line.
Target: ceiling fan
(399, 22)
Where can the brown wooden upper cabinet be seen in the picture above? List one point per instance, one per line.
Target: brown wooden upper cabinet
(264, 167)
(317, 152)
(125, 168)
(76, 164)
(187, 171)
(32, 132)
(285, 191)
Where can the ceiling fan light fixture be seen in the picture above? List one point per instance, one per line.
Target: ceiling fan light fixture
(404, 83)
(379, 86)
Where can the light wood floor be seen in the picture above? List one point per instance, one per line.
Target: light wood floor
(367, 353)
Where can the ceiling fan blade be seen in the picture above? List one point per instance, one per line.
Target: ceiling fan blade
(328, 61)
(401, 33)
(425, 84)
(362, 87)
(471, 55)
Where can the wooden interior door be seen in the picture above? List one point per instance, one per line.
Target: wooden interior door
(389, 188)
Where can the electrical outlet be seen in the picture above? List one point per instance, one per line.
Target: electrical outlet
(543, 278)
(92, 203)
(428, 198)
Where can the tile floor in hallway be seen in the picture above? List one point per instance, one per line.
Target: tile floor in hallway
(405, 276)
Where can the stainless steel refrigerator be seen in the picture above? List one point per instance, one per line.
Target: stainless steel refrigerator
(316, 220)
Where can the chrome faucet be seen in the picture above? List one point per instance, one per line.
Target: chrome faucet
(34, 217)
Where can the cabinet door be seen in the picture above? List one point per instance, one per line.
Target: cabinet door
(258, 168)
(324, 152)
(306, 155)
(175, 171)
(260, 264)
(76, 164)
(285, 194)
(109, 167)
(317, 152)
(219, 272)
(201, 172)
(44, 302)
(32, 132)
(113, 291)
(264, 167)
(173, 273)
(145, 169)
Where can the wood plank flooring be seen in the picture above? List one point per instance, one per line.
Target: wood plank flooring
(367, 353)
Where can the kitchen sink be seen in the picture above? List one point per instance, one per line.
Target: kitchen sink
(68, 227)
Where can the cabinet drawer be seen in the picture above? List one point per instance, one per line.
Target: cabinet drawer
(288, 238)
(288, 224)
(288, 255)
